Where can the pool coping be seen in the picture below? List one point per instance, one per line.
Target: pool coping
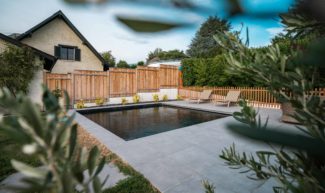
(149, 104)
(164, 167)
(96, 129)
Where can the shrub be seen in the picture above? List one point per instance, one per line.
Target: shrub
(179, 97)
(136, 98)
(165, 98)
(80, 104)
(298, 163)
(18, 66)
(212, 72)
(57, 93)
(99, 101)
(155, 97)
(124, 101)
(50, 136)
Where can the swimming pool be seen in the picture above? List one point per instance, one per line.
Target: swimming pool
(132, 122)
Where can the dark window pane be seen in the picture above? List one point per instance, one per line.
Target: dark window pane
(64, 53)
(71, 54)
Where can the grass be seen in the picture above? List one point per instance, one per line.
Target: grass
(9, 150)
(134, 183)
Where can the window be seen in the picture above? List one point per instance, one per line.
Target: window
(67, 52)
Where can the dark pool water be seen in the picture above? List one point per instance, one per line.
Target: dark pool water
(135, 123)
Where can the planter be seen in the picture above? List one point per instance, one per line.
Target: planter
(287, 112)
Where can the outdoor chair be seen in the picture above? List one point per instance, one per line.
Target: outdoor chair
(204, 96)
(232, 97)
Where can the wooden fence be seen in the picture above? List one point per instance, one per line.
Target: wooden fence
(256, 96)
(117, 82)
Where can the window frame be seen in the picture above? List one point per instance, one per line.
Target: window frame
(67, 47)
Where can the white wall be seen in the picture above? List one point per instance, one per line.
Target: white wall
(171, 93)
(145, 97)
(118, 100)
(35, 87)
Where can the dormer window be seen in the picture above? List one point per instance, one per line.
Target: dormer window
(65, 52)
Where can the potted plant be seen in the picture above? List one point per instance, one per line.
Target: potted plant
(136, 98)
(99, 101)
(58, 95)
(155, 97)
(124, 101)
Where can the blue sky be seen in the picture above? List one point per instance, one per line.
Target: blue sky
(99, 26)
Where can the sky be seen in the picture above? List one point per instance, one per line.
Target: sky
(99, 25)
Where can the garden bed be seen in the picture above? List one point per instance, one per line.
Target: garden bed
(135, 183)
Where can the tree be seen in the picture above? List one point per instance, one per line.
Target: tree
(140, 63)
(298, 163)
(109, 58)
(203, 45)
(154, 54)
(18, 67)
(166, 55)
(122, 64)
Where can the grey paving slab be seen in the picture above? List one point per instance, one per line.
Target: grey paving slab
(178, 160)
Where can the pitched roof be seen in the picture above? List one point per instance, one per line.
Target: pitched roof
(60, 14)
(49, 60)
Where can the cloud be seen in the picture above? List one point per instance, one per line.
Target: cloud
(273, 31)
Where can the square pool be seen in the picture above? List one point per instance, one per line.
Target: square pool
(131, 122)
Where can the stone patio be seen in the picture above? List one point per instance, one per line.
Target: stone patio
(178, 160)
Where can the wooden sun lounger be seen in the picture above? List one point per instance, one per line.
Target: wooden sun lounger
(232, 97)
(203, 97)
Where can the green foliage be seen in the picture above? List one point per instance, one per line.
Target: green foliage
(109, 58)
(155, 97)
(203, 44)
(122, 64)
(18, 66)
(57, 93)
(80, 104)
(304, 19)
(124, 101)
(133, 184)
(209, 188)
(51, 137)
(212, 72)
(159, 54)
(99, 101)
(136, 98)
(165, 98)
(9, 149)
(178, 97)
(290, 77)
(147, 25)
(140, 63)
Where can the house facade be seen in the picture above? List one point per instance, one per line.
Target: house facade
(57, 36)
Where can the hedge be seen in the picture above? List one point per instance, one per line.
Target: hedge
(212, 72)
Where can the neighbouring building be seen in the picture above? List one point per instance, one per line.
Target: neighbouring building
(164, 62)
(57, 36)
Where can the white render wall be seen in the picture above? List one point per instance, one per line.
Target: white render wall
(35, 90)
(148, 96)
(144, 97)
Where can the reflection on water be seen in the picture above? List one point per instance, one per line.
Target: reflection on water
(136, 123)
